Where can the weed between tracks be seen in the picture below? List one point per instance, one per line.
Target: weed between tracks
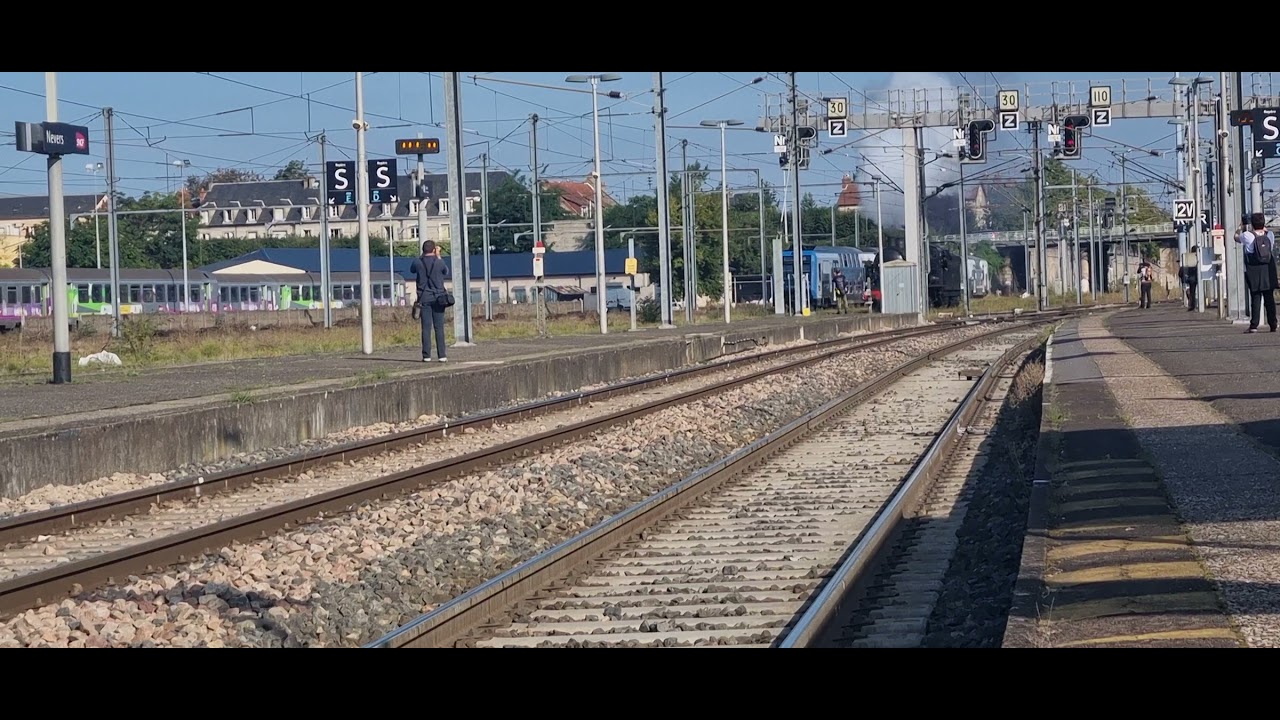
(977, 592)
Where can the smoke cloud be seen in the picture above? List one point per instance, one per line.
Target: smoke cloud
(882, 152)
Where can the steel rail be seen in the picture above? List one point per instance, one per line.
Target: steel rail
(872, 542)
(53, 584)
(26, 526)
(453, 620)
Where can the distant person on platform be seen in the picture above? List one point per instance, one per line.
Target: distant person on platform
(1190, 280)
(841, 287)
(428, 274)
(1145, 276)
(1259, 270)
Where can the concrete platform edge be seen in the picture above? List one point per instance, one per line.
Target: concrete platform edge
(151, 439)
(1021, 626)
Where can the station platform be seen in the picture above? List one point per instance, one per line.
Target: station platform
(95, 390)
(1155, 515)
(152, 420)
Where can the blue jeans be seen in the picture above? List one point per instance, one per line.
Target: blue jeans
(432, 317)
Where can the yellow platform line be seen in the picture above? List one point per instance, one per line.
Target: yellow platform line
(1196, 634)
(1082, 548)
(1176, 570)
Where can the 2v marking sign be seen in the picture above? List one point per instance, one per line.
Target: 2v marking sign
(1184, 210)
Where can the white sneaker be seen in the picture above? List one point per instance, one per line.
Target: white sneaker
(443, 360)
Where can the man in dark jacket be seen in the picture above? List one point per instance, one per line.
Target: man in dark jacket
(1189, 274)
(428, 275)
(1259, 270)
(840, 285)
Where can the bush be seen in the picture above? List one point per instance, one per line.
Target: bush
(648, 311)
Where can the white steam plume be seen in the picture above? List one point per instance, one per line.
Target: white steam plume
(883, 152)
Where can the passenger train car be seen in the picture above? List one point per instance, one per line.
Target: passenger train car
(816, 268)
(25, 292)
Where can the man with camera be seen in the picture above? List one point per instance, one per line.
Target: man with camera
(1259, 269)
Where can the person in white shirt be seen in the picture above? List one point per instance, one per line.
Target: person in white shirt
(1259, 270)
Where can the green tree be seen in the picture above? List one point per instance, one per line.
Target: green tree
(152, 240)
(197, 184)
(294, 170)
(511, 213)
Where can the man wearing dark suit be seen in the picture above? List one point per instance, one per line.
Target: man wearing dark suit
(1259, 270)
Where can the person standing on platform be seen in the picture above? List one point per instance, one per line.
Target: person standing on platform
(840, 285)
(428, 274)
(1259, 270)
(1190, 278)
(1144, 284)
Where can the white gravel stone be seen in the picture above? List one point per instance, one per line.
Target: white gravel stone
(345, 580)
(51, 496)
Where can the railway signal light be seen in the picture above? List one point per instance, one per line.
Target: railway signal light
(976, 148)
(1071, 128)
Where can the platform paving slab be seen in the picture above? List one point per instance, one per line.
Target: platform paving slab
(1107, 562)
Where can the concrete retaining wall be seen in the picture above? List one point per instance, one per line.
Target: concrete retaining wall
(155, 440)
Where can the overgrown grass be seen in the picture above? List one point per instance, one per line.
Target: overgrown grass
(143, 344)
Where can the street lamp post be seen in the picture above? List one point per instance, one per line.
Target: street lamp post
(724, 202)
(182, 195)
(97, 234)
(595, 81)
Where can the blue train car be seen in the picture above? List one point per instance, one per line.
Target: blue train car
(817, 267)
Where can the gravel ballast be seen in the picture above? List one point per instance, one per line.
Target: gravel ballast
(346, 580)
(50, 496)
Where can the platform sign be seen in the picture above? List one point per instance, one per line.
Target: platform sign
(632, 266)
(341, 179)
(1184, 210)
(1265, 129)
(51, 138)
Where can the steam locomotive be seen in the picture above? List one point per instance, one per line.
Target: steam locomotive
(944, 278)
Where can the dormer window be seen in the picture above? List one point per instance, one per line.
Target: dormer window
(278, 214)
(444, 206)
(226, 217)
(471, 205)
(387, 209)
(304, 213)
(251, 215)
(333, 212)
(413, 206)
(205, 217)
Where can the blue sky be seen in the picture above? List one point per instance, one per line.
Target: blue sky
(205, 118)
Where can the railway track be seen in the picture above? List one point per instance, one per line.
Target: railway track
(92, 550)
(893, 607)
(758, 550)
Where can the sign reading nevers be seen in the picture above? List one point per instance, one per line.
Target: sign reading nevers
(52, 138)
